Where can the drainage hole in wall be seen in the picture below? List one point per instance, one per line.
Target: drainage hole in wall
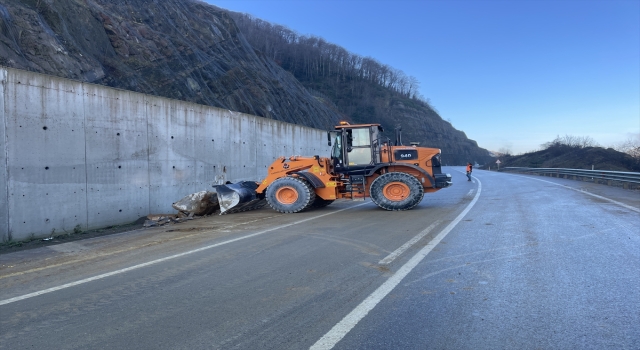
(172, 137)
(119, 166)
(47, 220)
(46, 168)
(44, 128)
(120, 210)
(118, 134)
(174, 166)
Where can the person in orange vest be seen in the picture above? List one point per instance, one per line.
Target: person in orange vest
(469, 170)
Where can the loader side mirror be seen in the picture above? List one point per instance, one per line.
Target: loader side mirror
(328, 138)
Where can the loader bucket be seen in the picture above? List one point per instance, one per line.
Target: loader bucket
(241, 196)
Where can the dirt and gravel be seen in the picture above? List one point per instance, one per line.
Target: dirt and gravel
(70, 237)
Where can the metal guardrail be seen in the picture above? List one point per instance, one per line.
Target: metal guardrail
(620, 176)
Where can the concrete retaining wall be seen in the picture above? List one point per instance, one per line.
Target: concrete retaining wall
(87, 156)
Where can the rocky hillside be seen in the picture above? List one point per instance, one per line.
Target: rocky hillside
(192, 51)
(179, 49)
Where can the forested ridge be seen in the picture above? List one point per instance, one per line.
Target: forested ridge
(315, 61)
(576, 152)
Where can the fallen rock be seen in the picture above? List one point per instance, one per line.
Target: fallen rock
(199, 203)
(150, 223)
(158, 217)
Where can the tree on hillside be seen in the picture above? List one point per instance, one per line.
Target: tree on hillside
(570, 141)
(311, 57)
(631, 146)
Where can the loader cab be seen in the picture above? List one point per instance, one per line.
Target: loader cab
(356, 148)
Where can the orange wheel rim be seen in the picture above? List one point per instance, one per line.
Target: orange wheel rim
(287, 195)
(396, 191)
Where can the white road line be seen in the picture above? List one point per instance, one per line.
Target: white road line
(117, 272)
(396, 253)
(343, 327)
(585, 192)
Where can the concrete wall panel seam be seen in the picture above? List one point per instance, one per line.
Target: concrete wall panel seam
(86, 166)
(4, 176)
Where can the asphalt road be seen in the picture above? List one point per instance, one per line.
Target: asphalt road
(504, 262)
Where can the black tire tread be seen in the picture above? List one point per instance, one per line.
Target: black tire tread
(415, 188)
(306, 195)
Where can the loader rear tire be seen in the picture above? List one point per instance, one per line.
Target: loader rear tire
(396, 191)
(290, 195)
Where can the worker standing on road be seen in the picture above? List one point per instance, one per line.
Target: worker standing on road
(469, 170)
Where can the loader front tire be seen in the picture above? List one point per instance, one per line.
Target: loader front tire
(396, 191)
(290, 195)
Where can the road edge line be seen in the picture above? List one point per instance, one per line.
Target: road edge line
(396, 253)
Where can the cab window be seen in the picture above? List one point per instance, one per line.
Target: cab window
(360, 151)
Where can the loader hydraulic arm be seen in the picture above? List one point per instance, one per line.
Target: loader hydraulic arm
(283, 167)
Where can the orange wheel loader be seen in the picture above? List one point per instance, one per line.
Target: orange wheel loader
(362, 164)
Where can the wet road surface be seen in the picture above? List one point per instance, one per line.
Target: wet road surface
(506, 261)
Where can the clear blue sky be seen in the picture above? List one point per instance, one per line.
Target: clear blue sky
(510, 74)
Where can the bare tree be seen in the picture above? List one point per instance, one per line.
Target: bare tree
(571, 141)
(504, 151)
(630, 146)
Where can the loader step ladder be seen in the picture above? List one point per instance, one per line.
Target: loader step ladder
(356, 187)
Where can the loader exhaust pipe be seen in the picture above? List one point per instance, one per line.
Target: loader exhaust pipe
(398, 136)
